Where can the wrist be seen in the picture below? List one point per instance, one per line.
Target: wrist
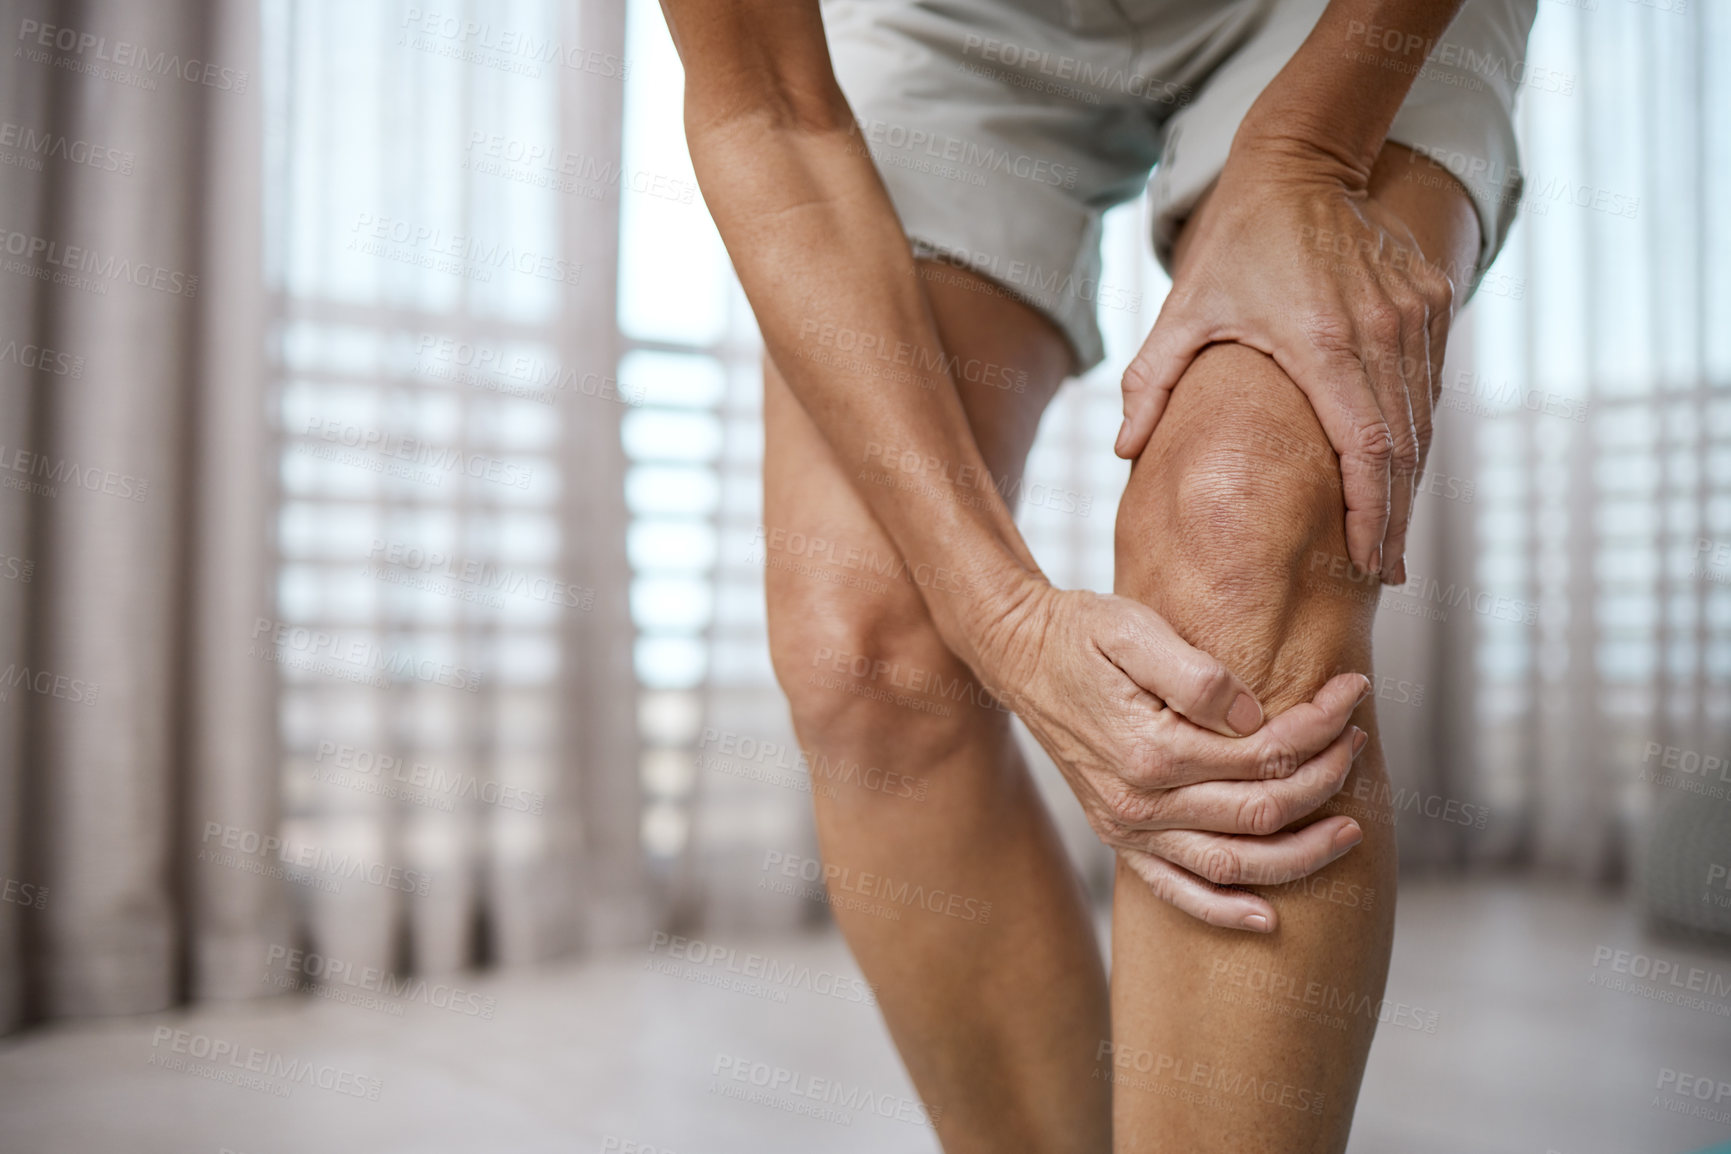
(981, 614)
(1339, 93)
(1276, 139)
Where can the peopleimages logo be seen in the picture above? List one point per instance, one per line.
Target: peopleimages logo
(1087, 74)
(353, 658)
(76, 259)
(751, 973)
(481, 42)
(46, 683)
(1661, 979)
(124, 54)
(56, 471)
(223, 1060)
(454, 252)
(844, 1096)
(1210, 1083)
(235, 844)
(741, 754)
(35, 144)
(304, 969)
(480, 574)
(1693, 1095)
(484, 366)
(422, 781)
(954, 149)
(846, 880)
(42, 359)
(20, 893)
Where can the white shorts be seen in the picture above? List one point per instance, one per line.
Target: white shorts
(1005, 128)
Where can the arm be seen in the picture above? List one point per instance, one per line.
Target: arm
(1340, 91)
(816, 242)
(1361, 334)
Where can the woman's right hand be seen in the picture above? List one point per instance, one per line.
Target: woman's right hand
(1167, 750)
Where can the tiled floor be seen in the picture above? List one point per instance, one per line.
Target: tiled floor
(1530, 1056)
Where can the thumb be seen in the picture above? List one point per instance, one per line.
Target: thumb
(1193, 684)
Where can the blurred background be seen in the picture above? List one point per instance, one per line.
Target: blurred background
(389, 752)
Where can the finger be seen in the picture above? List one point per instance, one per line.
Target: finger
(1171, 345)
(1226, 908)
(1437, 336)
(1258, 808)
(1192, 683)
(1226, 860)
(1414, 374)
(1381, 325)
(1184, 754)
(1399, 517)
(1325, 366)
(1436, 344)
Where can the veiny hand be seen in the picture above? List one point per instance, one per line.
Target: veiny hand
(1135, 718)
(1290, 256)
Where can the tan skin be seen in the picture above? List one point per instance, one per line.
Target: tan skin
(1002, 1020)
(1229, 527)
(1001, 1024)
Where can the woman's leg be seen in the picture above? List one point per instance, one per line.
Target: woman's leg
(1233, 528)
(996, 1000)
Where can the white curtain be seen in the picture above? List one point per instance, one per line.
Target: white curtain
(443, 191)
(132, 520)
(313, 587)
(1593, 419)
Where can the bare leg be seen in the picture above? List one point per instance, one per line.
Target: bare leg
(997, 1013)
(1224, 1041)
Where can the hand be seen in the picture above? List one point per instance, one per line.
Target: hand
(1135, 718)
(1290, 256)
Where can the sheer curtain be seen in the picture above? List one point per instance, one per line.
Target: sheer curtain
(1594, 418)
(443, 192)
(336, 642)
(133, 517)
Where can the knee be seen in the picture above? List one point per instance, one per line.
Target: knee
(1237, 485)
(1228, 508)
(866, 671)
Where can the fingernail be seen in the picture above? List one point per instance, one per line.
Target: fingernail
(1359, 737)
(1365, 692)
(1347, 837)
(1376, 560)
(1256, 922)
(1245, 715)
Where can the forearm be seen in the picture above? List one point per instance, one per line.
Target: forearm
(819, 252)
(1342, 88)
